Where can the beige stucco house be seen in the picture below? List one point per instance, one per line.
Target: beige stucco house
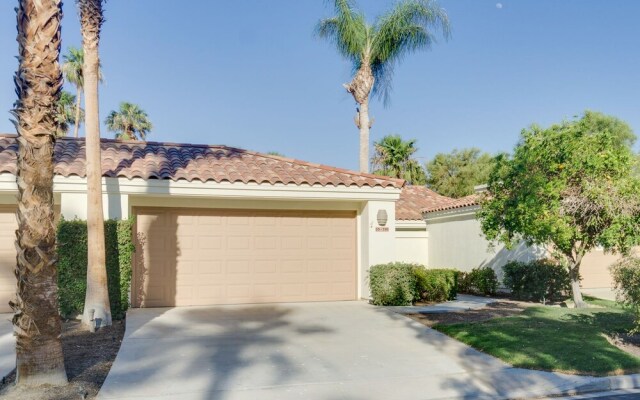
(219, 225)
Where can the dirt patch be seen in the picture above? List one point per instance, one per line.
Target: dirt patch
(88, 358)
(626, 342)
(502, 308)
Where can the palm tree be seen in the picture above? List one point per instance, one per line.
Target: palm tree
(66, 113)
(97, 311)
(374, 49)
(393, 158)
(72, 69)
(129, 123)
(37, 327)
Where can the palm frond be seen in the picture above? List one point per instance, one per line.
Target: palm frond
(405, 29)
(347, 30)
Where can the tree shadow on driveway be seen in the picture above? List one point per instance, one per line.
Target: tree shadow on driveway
(207, 350)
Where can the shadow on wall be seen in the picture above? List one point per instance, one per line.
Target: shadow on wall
(157, 252)
(521, 252)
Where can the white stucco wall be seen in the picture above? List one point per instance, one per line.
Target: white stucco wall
(412, 242)
(378, 242)
(456, 241)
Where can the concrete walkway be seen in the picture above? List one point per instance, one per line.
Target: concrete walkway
(463, 302)
(7, 345)
(339, 350)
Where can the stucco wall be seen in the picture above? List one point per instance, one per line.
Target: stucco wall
(456, 241)
(412, 242)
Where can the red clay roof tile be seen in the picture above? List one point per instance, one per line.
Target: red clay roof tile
(131, 159)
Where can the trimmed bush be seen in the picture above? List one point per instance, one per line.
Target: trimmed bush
(482, 280)
(436, 285)
(539, 280)
(626, 280)
(392, 284)
(72, 265)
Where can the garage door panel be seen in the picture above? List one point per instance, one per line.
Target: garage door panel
(246, 256)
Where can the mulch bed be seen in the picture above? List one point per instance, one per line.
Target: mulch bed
(88, 358)
(502, 308)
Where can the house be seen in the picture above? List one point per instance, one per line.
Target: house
(219, 225)
(450, 236)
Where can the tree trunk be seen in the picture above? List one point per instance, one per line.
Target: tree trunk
(37, 326)
(76, 127)
(574, 275)
(364, 136)
(360, 88)
(97, 311)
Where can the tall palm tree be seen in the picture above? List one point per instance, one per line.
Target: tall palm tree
(97, 311)
(130, 122)
(374, 49)
(66, 113)
(38, 83)
(72, 69)
(392, 157)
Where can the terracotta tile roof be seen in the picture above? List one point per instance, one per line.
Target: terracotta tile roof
(414, 199)
(153, 160)
(467, 201)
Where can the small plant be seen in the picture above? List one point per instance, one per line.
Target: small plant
(626, 280)
(539, 280)
(393, 284)
(481, 280)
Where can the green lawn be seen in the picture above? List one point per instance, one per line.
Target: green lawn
(554, 339)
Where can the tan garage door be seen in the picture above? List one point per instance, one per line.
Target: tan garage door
(8, 226)
(203, 257)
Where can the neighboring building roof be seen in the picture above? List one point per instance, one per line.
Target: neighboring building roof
(153, 160)
(414, 199)
(467, 201)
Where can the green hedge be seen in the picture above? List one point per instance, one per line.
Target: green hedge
(72, 265)
(436, 285)
(482, 280)
(538, 280)
(392, 284)
(400, 284)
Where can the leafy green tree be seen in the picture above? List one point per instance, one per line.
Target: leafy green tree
(568, 187)
(392, 157)
(375, 49)
(130, 122)
(455, 174)
(66, 113)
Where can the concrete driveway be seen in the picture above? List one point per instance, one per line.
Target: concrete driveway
(339, 350)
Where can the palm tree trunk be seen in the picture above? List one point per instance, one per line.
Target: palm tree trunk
(363, 124)
(360, 88)
(37, 327)
(97, 311)
(76, 127)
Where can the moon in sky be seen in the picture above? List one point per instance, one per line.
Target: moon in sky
(498, 5)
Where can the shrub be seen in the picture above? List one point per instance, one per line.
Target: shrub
(539, 280)
(626, 281)
(436, 285)
(482, 280)
(72, 265)
(392, 284)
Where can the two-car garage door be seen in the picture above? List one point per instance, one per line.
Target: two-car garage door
(221, 256)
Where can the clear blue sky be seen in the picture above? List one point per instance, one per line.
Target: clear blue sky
(249, 73)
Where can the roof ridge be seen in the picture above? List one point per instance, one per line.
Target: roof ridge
(357, 178)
